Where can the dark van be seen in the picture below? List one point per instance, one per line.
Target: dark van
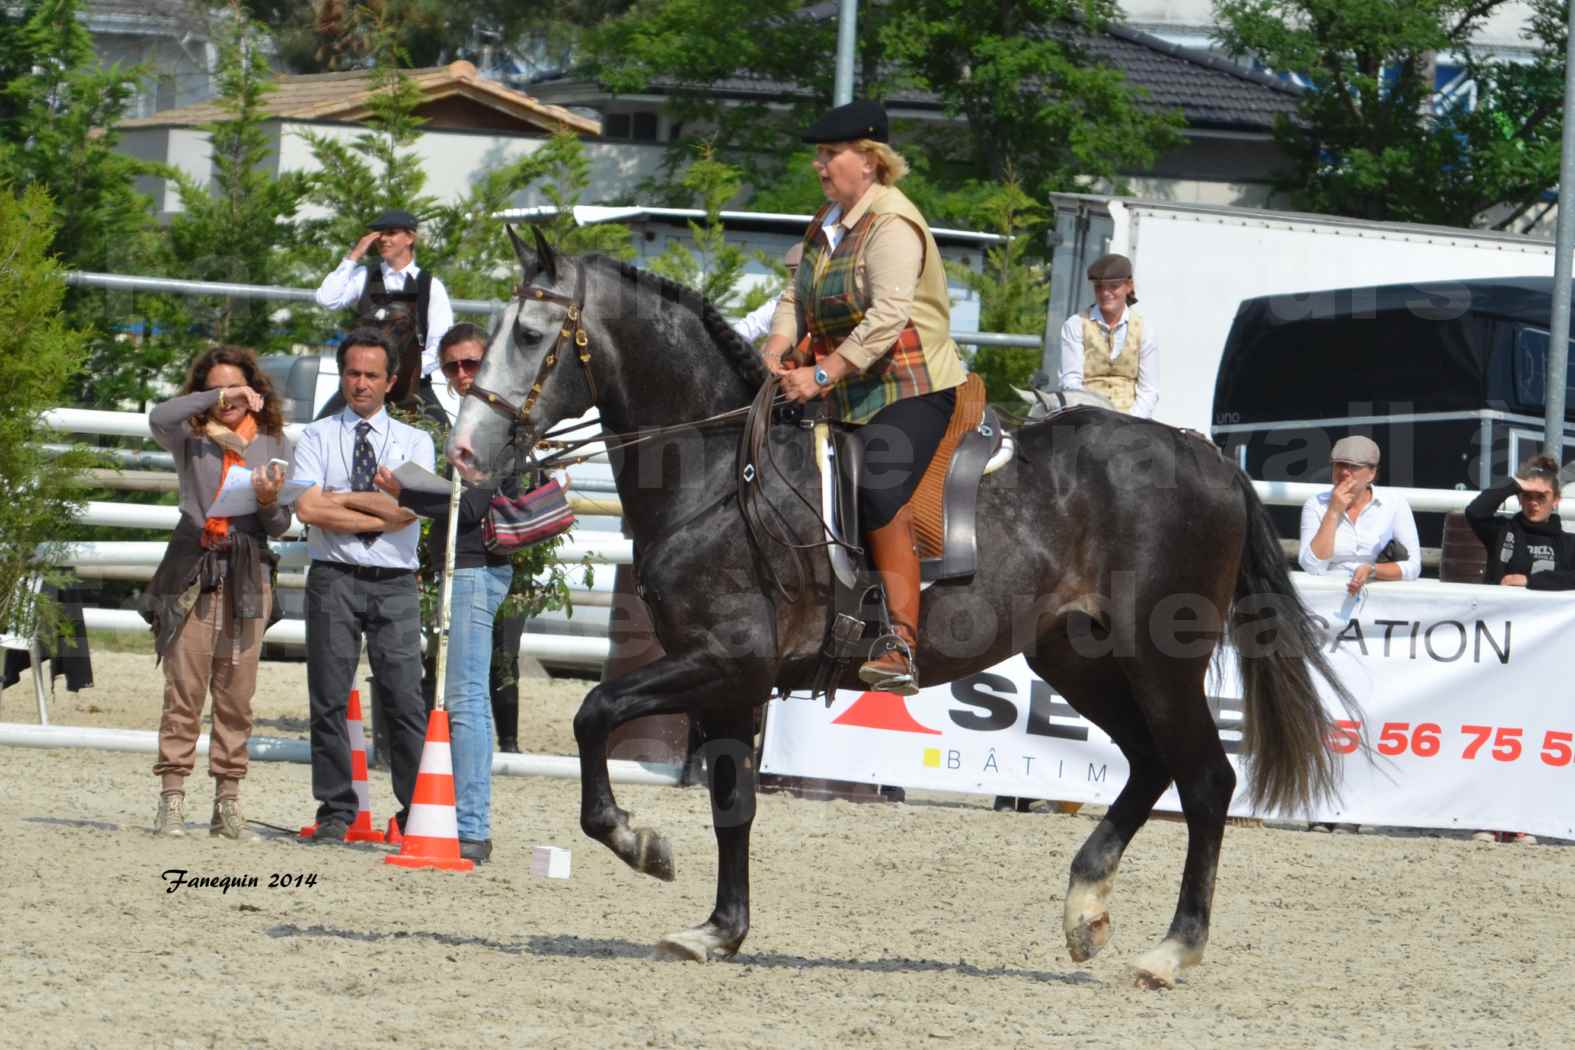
(1446, 376)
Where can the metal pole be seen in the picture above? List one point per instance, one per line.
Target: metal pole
(847, 22)
(448, 592)
(1559, 338)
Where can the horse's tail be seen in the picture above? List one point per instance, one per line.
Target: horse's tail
(1278, 645)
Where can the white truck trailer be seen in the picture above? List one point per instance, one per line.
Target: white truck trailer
(1195, 264)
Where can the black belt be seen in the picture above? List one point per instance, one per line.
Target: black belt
(362, 572)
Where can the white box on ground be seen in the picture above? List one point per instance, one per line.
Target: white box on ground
(551, 862)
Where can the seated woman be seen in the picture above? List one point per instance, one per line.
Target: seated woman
(1348, 527)
(1531, 549)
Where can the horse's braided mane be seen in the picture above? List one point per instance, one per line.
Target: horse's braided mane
(734, 348)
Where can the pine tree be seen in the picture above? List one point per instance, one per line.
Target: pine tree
(713, 266)
(241, 229)
(40, 355)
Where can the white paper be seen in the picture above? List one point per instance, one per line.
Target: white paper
(416, 478)
(237, 498)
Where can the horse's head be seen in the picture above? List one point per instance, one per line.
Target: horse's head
(537, 368)
(1045, 403)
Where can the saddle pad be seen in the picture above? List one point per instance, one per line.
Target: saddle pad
(929, 518)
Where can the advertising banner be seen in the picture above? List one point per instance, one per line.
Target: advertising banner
(1468, 718)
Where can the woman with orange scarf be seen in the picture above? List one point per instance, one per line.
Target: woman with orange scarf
(212, 597)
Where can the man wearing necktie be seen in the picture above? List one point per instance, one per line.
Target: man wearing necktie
(362, 582)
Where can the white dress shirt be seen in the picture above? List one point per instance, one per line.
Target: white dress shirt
(342, 289)
(1357, 543)
(757, 322)
(323, 456)
(1147, 395)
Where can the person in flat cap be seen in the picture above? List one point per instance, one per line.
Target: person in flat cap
(408, 303)
(865, 325)
(757, 322)
(1109, 348)
(1355, 528)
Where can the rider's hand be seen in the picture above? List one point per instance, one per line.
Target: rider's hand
(798, 384)
(364, 245)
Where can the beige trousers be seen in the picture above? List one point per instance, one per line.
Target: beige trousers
(213, 651)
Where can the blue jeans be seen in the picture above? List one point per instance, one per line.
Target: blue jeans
(467, 692)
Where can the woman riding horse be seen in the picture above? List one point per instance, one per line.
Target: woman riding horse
(870, 299)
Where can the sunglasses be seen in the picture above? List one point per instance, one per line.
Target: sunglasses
(470, 365)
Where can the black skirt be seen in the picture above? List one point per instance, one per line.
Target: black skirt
(899, 442)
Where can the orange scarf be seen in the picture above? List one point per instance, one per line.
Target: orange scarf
(216, 530)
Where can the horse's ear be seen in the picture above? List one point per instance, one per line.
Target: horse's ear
(527, 260)
(545, 255)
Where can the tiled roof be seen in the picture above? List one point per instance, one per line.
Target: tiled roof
(345, 97)
(1211, 92)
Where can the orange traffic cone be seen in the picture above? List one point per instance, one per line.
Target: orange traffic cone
(362, 830)
(432, 830)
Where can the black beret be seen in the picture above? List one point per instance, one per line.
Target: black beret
(394, 219)
(1110, 268)
(857, 120)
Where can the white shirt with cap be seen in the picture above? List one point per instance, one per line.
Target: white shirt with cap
(342, 289)
(1385, 518)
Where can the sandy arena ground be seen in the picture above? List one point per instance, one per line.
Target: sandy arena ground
(935, 923)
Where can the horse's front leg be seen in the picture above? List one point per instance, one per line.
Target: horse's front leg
(730, 765)
(666, 686)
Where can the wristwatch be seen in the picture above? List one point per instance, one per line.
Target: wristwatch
(821, 377)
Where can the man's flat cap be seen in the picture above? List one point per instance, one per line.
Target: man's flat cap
(857, 120)
(1110, 268)
(394, 219)
(1355, 449)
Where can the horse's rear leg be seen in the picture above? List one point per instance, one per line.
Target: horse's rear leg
(1189, 744)
(1099, 691)
(669, 685)
(730, 762)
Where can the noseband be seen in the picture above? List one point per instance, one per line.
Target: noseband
(573, 331)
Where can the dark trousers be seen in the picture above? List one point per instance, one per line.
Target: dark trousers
(341, 606)
(506, 633)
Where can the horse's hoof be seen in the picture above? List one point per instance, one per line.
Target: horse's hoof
(653, 855)
(1158, 968)
(1088, 937)
(696, 945)
(1153, 982)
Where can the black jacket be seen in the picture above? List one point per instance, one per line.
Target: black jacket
(469, 550)
(1542, 552)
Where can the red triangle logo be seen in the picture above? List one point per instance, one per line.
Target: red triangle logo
(882, 711)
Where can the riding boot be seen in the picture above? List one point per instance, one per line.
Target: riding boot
(892, 549)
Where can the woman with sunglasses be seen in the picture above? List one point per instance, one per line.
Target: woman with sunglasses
(1531, 549)
(481, 582)
(1348, 528)
(211, 598)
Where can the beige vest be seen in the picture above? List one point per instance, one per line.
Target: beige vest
(1115, 378)
(932, 304)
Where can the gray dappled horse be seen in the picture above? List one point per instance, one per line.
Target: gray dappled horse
(1114, 554)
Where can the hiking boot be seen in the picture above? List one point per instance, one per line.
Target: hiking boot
(330, 830)
(227, 821)
(171, 821)
(892, 549)
(478, 850)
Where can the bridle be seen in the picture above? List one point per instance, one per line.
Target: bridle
(572, 333)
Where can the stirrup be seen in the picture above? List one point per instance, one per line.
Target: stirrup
(881, 677)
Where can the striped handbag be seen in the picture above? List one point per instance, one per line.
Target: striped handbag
(514, 523)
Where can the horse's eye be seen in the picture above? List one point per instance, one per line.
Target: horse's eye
(530, 335)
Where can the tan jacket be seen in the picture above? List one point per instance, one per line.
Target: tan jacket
(902, 276)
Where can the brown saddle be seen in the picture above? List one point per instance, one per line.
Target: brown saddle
(945, 504)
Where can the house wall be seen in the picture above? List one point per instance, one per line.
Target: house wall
(178, 76)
